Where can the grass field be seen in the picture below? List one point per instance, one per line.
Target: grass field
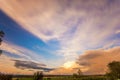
(22, 79)
(69, 78)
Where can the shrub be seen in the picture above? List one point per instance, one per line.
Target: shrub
(114, 70)
(38, 76)
(5, 77)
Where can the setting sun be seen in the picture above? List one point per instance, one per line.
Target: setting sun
(69, 64)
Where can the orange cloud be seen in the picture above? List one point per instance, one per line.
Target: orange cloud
(97, 60)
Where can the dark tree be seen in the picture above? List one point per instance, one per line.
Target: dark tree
(114, 70)
(1, 36)
(38, 76)
(79, 72)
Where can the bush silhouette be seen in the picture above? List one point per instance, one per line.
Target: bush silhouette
(38, 76)
(1, 36)
(114, 70)
(5, 77)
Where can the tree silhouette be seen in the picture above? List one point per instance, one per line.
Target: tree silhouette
(114, 70)
(1, 36)
(79, 72)
(38, 76)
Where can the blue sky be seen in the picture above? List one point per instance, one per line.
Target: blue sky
(58, 32)
(15, 34)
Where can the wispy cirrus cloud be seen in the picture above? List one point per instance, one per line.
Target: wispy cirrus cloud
(23, 53)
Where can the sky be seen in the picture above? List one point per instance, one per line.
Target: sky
(59, 36)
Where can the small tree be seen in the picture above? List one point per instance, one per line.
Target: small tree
(1, 36)
(114, 70)
(79, 72)
(38, 76)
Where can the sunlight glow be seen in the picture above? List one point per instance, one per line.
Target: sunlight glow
(69, 64)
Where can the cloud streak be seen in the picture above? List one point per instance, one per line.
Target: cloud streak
(18, 51)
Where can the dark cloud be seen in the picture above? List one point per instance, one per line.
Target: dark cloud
(30, 65)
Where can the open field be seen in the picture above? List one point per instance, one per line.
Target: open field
(69, 78)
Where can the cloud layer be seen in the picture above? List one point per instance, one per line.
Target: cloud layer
(68, 22)
(97, 60)
(77, 25)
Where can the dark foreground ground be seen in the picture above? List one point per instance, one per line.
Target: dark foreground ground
(62, 77)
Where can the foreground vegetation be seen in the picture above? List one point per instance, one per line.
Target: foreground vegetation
(70, 78)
